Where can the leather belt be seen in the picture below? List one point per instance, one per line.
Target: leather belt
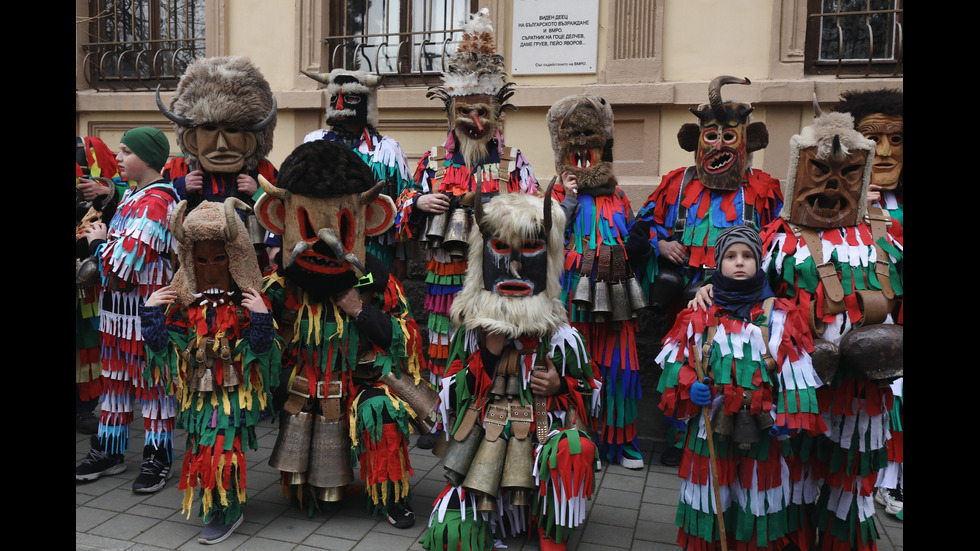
(605, 263)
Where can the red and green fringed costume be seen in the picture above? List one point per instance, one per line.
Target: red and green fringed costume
(563, 466)
(88, 365)
(135, 262)
(322, 343)
(442, 171)
(602, 221)
(755, 479)
(849, 456)
(220, 423)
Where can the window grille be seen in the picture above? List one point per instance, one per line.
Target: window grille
(856, 38)
(407, 38)
(137, 44)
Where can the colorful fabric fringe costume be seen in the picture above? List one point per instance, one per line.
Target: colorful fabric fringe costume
(100, 164)
(755, 478)
(220, 424)
(135, 262)
(599, 227)
(850, 456)
(322, 346)
(682, 209)
(217, 185)
(562, 467)
(443, 171)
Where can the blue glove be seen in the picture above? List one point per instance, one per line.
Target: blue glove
(701, 393)
(782, 431)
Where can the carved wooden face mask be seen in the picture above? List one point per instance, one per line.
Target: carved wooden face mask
(220, 148)
(827, 192)
(887, 131)
(721, 157)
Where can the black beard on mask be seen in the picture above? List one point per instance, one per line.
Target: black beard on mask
(319, 287)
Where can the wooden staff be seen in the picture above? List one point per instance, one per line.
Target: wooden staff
(705, 414)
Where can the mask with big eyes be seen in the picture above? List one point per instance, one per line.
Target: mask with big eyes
(827, 192)
(211, 269)
(721, 156)
(515, 271)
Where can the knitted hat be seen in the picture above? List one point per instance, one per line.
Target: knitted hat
(738, 234)
(149, 144)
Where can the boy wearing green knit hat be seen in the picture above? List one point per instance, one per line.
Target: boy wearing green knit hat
(134, 252)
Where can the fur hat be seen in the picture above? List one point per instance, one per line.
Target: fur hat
(209, 221)
(365, 84)
(324, 168)
(229, 91)
(861, 104)
(583, 122)
(513, 217)
(820, 134)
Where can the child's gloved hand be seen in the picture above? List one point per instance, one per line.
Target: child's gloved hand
(782, 431)
(701, 393)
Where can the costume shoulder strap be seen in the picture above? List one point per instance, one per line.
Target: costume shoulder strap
(767, 306)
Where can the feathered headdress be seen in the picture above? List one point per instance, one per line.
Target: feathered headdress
(475, 67)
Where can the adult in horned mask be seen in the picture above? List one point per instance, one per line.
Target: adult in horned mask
(518, 389)
(353, 353)
(474, 95)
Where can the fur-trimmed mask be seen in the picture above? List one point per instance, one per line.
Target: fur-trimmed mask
(512, 283)
(217, 258)
(325, 202)
(353, 97)
(224, 114)
(829, 173)
(723, 140)
(582, 138)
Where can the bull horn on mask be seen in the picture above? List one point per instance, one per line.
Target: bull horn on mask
(232, 205)
(259, 126)
(329, 238)
(837, 152)
(299, 249)
(322, 78)
(174, 118)
(370, 195)
(271, 189)
(714, 94)
(818, 112)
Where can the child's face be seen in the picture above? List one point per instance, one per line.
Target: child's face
(738, 262)
(131, 167)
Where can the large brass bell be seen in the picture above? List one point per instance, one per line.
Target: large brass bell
(638, 299)
(601, 299)
(458, 458)
(621, 310)
(421, 397)
(826, 359)
(206, 384)
(722, 423)
(457, 233)
(256, 233)
(518, 474)
(582, 295)
(329, 458)
(292, 450)
(513, 387)
(876, 351)
(87, 272)
(486, 503)
(229, 377)
(487, 467)
(746, 429)
(436, 230)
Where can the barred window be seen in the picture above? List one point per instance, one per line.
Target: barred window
(412, 39)
(855, 38)
(138, 44)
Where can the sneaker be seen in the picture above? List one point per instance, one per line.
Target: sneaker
(891, 500)
(401, 516)
(154, 471)
(98, 463)
(672, 456)
(427, 441)
(86, 423)
(632, 458)
(217, 532)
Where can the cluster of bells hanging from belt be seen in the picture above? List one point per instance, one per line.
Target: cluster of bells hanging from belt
(202, 377)
(743, 427)
(484, 467)
(448, 230)
(619, 300)
(315, 450)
